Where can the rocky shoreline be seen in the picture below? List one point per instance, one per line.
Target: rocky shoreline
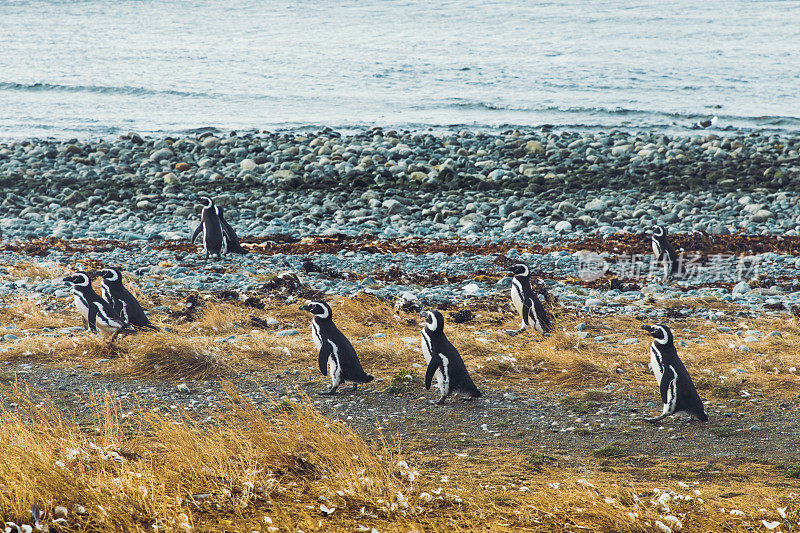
(394, 213)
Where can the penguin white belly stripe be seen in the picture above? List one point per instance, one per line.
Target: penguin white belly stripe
(426, 347)
(444, 377)
(672, 393)
(516, 295)
(124, 314)
(81, 304)
(224, 248)
(656, 249)
(655, 363)
(427, 352)
(315, 336)
(335, 368)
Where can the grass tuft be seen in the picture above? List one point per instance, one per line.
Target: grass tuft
(402, 381)
(610, 450)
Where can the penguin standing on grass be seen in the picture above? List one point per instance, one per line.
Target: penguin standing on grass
(97, 314)
(215, 242)
(444, 361)
(665, 252)
(674, 383)
(122, 301)
(234, 245)
(337, 357)
(527, 303)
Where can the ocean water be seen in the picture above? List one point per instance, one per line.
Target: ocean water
(91, 68)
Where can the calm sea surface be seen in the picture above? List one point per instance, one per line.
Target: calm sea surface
(100, 68)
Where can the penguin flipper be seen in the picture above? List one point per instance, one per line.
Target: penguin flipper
(233, 240)
(197, 232)
(527, 305)
(92, 318)
(433, 366)
(669, 390)
(542, 317)
(324, 354)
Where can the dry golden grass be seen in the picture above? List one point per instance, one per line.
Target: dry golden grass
(561, 360)
(171, 472)
(171, 357)
(288, 468)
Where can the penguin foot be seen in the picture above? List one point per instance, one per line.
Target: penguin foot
(355, 386)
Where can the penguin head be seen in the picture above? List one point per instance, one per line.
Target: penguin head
(434, 321)
(111, 274)
(661, 333)
(520, 269)
(206, 202)
(78, 279)
(318, 309)
(659, 231)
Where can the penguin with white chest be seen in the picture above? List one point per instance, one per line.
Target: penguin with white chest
(215, 242)
(97, 314)
(527, 304)
(122, 301)
(665, 253)
(675, 385)
(444, 361)
(337, 357)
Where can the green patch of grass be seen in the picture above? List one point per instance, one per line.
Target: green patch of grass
(401, 381)
(579, 406)
(594, 395)
(583, 431)
(791, 470)
(586, 403)
(539, 460)
(609, 450)
(721, 431)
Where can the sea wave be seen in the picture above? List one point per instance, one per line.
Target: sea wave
(98, 89)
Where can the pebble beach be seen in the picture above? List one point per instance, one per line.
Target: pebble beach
(541, 196)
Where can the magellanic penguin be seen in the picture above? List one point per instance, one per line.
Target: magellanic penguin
(122, 301)
(234, 245)
(97, 313)
(444, 361)
(337, 357)
(665, 253)
(526, 302)
(675, 384)
(215, 242)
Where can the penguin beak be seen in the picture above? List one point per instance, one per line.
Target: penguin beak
(67, 280)
(305, 307)
(648, 329)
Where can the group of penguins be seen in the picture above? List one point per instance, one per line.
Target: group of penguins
(118, 311)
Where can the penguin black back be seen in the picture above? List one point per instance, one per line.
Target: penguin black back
(444, 361)
(527, 304)
(676, 387)
(233, 240)
(665, 252)
(214, 239)
(337, 357)
(97, 314)
(122, 301)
